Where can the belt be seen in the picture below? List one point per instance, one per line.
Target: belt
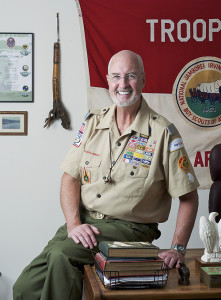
(99, 216)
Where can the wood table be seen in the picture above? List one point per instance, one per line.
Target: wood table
(94, 289)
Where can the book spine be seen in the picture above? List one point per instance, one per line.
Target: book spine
(100, 260)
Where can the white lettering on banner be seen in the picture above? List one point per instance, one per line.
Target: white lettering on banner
(199, 29)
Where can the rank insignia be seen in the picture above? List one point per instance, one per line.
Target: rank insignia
(183, 163)
(86, 176)
(79, 137)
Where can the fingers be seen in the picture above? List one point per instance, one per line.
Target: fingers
(172, 258)
(84, 234)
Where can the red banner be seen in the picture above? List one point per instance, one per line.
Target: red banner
(167, 35)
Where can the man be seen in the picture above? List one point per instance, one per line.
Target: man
(125, 165)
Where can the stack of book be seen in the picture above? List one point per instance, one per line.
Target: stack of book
(130, 265)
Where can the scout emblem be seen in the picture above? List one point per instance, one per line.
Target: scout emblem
(86, 176)
(79, 137)
(24, 50)
(183, 163)
(10, 42)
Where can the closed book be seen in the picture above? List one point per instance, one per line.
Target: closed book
(211, 276)
(128, 249)
(128, 266)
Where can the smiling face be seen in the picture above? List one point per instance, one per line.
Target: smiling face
(126, 78)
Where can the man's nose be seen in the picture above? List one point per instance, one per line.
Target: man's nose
(123, 81)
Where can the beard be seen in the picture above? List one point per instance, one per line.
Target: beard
(133, 99)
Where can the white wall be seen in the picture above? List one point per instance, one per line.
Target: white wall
(29, 166)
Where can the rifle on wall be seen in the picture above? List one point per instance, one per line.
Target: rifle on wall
(58, 111)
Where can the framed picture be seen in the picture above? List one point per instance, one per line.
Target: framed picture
(16, 67)
(13, 123)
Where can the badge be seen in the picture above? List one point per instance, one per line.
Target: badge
(10, 42)
(139, 151)
(183, 163)
(176, 145)
(79, 137)
(86, 176)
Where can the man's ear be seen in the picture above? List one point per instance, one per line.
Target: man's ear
(144, 79)
(107, 77)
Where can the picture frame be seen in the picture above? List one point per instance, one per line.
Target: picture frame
(17, 68)
(13, 122)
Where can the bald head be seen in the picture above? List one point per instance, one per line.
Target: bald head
(126, 78)
(130, 55)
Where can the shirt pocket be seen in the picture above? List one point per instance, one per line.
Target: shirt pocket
(131, 180)
(90, 165)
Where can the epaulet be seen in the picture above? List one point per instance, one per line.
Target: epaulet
(171, 129)
(99, 111)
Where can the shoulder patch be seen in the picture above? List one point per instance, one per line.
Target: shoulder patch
(176, 145)
(78, 139)
(171, 129)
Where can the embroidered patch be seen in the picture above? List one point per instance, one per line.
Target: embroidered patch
(191, 178)
(139, 151)
(176, 145)
(78, 138)
(86, 176)
(183, 163)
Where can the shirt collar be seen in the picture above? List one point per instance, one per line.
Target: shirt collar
(139, 125)
(108, 118)
(141, 122)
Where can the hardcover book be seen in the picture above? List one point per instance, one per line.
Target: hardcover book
(128, 249)
(128, 266)
(211, 276)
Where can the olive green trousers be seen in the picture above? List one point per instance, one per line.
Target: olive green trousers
(57, 273)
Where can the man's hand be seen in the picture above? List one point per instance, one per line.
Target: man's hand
(172, 258)
(84, 234)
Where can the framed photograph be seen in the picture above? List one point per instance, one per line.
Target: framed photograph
(16, 67)
(13, 123)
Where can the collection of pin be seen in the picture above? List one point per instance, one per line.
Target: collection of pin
(139, 151)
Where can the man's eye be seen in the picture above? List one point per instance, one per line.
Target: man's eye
(116, 77)
(130, 76)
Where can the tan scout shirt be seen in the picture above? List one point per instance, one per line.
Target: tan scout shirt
(150, 165)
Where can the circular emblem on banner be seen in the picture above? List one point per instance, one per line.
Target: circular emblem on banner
(10, 42)
(183, 163)
(197, 92)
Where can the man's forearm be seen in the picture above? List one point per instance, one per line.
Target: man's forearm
(185, 218)
(70, 199)
(185, 222)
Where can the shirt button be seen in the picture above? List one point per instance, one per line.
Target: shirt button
(131, 173)
(87, 162)
(98, 195)
(118, 144)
